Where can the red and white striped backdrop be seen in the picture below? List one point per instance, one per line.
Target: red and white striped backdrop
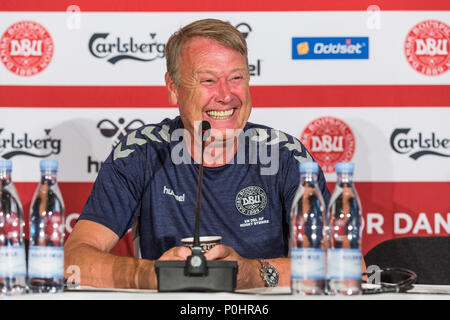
(66, 94)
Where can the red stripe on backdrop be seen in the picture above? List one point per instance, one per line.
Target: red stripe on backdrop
(230, 5)
(390, 209)
(262, 96)
(401, 209)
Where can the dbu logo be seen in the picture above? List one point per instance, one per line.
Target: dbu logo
(327, 143)
(26, 48)
(251, 200)
(431, 47)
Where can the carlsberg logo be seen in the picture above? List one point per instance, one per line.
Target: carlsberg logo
(25, 144)
(418, 144)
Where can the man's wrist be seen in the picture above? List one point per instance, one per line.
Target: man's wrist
(269, 273)
(145, 276)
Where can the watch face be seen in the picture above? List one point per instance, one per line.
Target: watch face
(270, 275)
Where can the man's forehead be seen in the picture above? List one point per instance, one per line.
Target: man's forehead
(206, 56)
(199, 40)
(197, 45)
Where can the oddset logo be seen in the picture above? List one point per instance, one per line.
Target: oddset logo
(26, 48)
(329, 140)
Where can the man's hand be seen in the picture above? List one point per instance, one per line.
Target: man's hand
(176, 253)
(248, 269)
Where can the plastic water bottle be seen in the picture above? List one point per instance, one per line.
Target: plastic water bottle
(344, 265)
(308, 235)
(12, 249)
(47, 221)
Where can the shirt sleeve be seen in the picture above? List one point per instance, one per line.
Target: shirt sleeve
(115, 196)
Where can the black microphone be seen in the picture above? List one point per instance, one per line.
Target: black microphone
(197, 274)
(204, 128)
(196, 263)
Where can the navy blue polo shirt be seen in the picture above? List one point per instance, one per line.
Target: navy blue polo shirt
(246, 202)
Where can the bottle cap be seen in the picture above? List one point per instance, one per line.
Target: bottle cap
(345, 167)
(49, 165)
(6, 165)
(309, 167)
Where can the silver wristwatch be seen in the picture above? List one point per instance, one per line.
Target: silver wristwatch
(269, 273)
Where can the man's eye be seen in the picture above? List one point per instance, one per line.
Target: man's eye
(207, 81)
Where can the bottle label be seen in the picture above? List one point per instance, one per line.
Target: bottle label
(344, 264)
(12, 261)
(308, 263)
(46, 262)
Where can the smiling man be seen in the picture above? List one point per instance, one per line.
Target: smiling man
(213, 85)
(208, 78)
(140, 186)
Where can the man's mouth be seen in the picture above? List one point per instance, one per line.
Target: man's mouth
(220, 115)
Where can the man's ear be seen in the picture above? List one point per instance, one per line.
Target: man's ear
(171, 89)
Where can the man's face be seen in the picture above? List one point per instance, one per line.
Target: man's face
(214, 86)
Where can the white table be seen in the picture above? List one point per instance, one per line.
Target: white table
(419, 292)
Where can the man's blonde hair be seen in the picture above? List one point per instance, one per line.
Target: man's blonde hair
(217, 30)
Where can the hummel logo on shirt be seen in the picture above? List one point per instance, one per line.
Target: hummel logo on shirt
(169, 191)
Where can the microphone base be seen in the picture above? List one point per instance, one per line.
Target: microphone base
(220, 277)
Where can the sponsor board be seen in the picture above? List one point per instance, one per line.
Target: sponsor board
(401, 154)
(373, 129)
(143, 35)
(80, 139)
(147, 48)
(404, 148)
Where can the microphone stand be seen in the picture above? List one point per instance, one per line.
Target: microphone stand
(196, 263)
(197, 274)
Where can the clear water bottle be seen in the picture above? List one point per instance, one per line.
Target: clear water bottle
(12, 249)
(47, 222)
(308, 235)
(344, 265)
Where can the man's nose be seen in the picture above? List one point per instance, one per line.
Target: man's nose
(224, 94)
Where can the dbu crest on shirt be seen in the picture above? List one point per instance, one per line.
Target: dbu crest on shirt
(251, 200)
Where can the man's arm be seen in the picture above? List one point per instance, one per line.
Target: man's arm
(88, 248)
(249, 270)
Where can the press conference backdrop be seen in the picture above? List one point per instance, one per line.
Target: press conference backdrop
(361, 81)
